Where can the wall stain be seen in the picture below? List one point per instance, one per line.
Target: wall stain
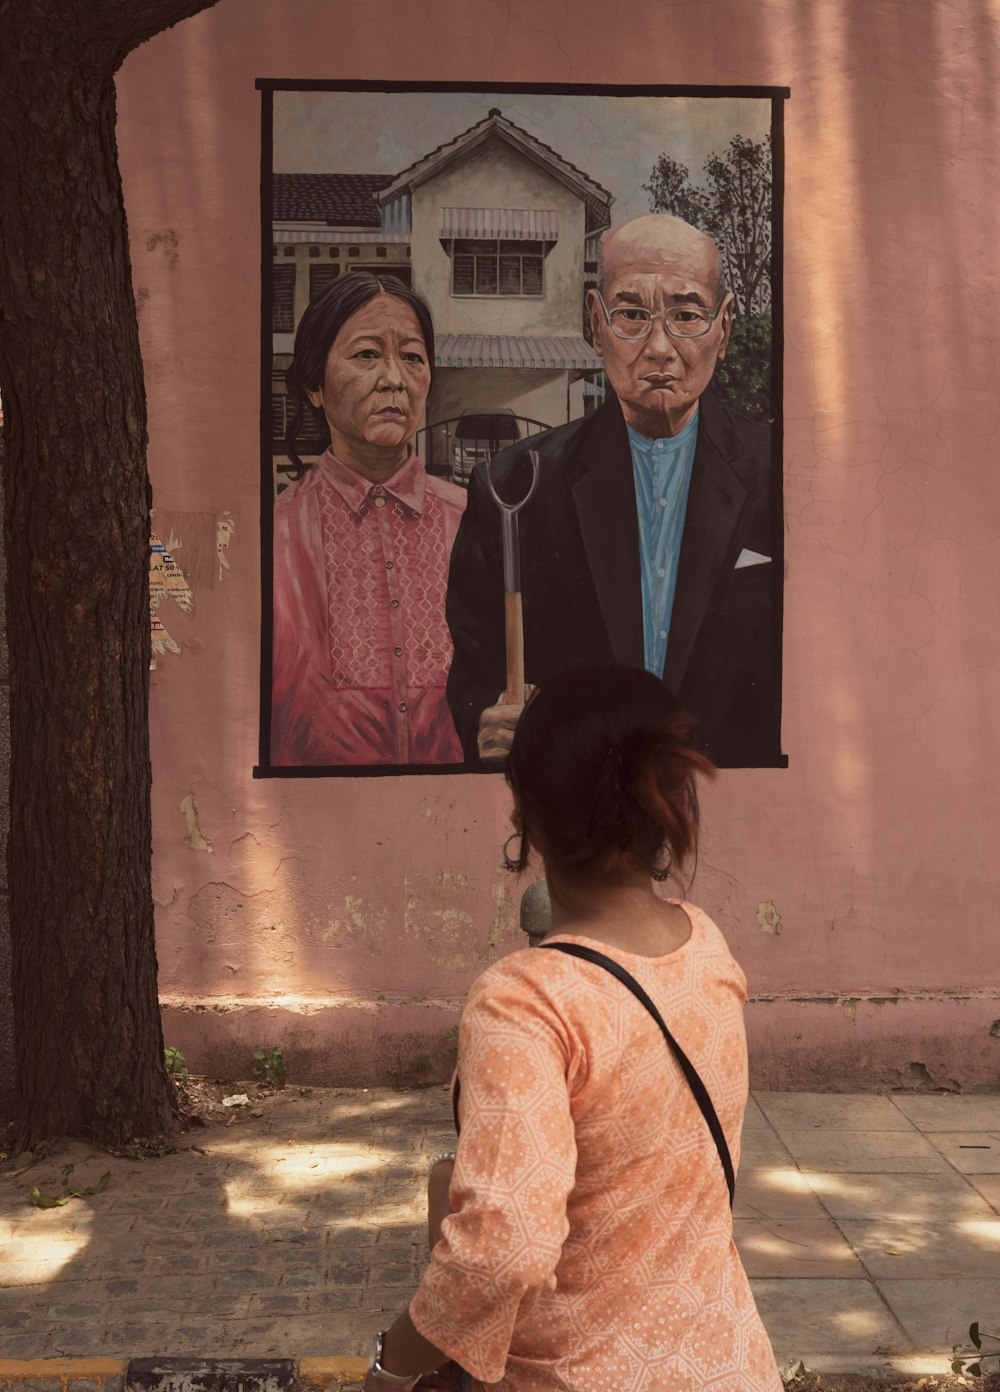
(440, 931)
(501, 929)
(194, 838)
(768, 917)
(357, 919)
(444, 940)
(169, 240)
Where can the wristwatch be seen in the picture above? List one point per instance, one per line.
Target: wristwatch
(403, 1382)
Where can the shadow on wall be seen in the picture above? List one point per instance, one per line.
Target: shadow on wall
(6, 1005)
(881, 508)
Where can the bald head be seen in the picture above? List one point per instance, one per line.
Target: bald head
(659, 242)
(659, 265)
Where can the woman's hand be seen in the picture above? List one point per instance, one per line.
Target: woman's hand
(403, 1343)
(438, 1201)
(443, 1380)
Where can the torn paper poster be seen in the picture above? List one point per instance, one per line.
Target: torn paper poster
(224, 528)
(166, 578)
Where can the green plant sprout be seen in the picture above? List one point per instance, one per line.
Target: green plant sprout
(973, 1364)
(175, 1061)
(39, 1200)
(270, 1065)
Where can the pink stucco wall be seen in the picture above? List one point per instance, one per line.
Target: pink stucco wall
(345, 919)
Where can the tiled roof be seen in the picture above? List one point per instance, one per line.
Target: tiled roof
(597, 199)
(339, 200)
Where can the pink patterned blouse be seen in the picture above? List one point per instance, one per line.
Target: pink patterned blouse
(591, 1245)
(361, 646)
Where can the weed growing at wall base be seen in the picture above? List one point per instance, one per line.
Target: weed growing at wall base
(175, 1060)
(270, 1065)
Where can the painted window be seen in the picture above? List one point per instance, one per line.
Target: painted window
(282, 411)
(283, 300)
(320, 277)
(513, 269)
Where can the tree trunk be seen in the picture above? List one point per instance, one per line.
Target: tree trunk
(87, 1031)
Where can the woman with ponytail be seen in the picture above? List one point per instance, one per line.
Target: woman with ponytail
(362, 542)
(582, 1232)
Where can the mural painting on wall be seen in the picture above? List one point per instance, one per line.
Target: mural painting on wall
(523, 358)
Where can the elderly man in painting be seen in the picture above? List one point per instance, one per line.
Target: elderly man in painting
(649, 537)
(362, 543)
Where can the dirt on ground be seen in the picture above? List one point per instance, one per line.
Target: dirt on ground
(203, 1102)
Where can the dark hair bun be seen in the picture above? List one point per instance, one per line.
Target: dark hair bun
(604, 773)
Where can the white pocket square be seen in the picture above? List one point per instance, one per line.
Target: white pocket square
(749, 558)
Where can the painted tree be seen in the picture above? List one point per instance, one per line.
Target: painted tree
(88, 1038)
(733, 206)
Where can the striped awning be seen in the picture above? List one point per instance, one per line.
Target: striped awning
(504, 350)
(510, 224)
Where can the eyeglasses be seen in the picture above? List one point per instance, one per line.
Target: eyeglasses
(680, 320)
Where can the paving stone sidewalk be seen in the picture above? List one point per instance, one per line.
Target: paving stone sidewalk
(869, 1225)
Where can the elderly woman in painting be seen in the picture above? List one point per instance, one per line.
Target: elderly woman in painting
(362, 543)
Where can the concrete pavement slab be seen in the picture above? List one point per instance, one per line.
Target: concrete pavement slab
(918, 1198)
(794, 1247)
(865, 1152)
(936, 1314)
(810, 1316)
(762, 1147)
(776, 1191)
(988, 1186)
(753, 1118)
(971, 1152)
(804, 1111)
(894, 1248)
(950, 1111)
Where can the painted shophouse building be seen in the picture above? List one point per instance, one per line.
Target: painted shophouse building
(499, 234)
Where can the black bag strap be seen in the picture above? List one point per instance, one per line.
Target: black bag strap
(687, 1067)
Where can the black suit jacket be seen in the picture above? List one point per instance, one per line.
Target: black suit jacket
(581, 585)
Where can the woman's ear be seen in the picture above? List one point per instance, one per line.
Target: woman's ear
(316, 397)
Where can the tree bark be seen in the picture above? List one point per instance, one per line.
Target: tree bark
(87, 1032)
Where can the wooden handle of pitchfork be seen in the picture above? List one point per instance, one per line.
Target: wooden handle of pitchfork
(514, 625)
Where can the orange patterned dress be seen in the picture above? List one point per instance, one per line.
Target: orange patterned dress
(590, 1248)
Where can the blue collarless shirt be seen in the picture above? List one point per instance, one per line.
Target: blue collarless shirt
(662, 472)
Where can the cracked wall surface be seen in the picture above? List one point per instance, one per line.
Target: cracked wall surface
(857, 887)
